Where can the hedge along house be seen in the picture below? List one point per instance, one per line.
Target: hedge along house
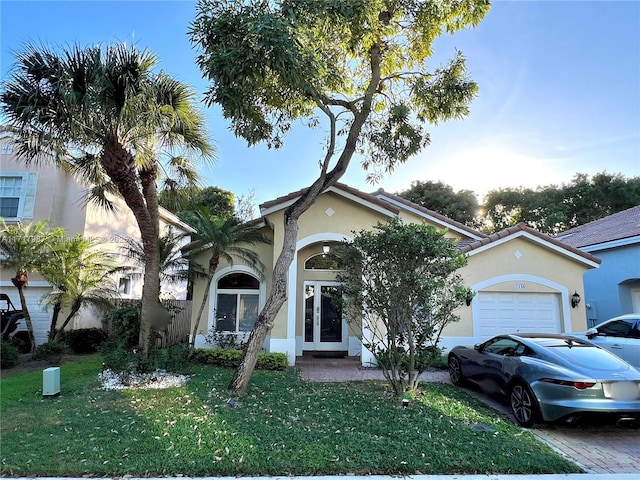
(524, 280)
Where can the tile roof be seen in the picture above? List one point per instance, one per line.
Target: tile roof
(618, 226)
(341, 186)
(432, 213)
(522, 227)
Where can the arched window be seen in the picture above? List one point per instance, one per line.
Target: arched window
(238, 297)
(321, 261)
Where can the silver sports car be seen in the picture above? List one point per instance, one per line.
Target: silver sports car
(549, 377)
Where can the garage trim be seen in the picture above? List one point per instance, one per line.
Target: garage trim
(561, 289)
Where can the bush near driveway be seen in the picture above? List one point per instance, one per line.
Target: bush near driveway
(283, 426)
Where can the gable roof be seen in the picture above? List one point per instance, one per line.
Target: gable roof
(387, 203)
(522, 230)
(432, 215)
(620, 226)
(340, 189)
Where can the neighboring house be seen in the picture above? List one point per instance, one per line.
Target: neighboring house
(524, 279)
(613, 289)
(41, 191)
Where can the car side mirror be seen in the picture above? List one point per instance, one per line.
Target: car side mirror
(477, 347)
(592, 332)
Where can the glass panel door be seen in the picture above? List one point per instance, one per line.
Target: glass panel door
(324, 327)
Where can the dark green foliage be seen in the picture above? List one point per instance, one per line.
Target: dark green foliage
(175, 358)
(84, 340)
(8, 355)
(553, 209)
(219, 202)
(401, 283)
(50, 351)
(461, 206)
(231, 359)
(123, 326)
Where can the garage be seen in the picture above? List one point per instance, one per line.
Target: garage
(39, 316)
(511, 312)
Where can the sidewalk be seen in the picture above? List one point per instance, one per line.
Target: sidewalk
(573, 476)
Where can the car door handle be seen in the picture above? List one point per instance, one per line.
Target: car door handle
(615, 345)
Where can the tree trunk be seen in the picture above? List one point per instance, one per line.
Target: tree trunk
(278, 294)
(27, 317)
(54, 321)
(74, 309)
(121, 168)
(204, 301)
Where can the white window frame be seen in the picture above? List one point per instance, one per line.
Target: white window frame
(126, 282)
(214, 291)
(6, 148)
(22, 196)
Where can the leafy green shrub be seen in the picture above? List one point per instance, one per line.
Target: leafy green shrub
(175, 358)
(123, 326)
(231, 358)
(272, 361)
(84, 340)
(50, 351)
(8, 355)
(425, 358)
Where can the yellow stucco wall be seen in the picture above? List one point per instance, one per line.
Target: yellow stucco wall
(266, 255)
(524, 258)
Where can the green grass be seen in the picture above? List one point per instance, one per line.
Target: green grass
(283, 426)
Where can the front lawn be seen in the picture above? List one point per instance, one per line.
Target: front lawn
(284, 426)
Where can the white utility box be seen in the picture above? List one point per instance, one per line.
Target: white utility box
(51, 382)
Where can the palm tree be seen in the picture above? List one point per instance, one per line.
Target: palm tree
(104, 114)
(174, 268)
(223, 238)
(25, 248)
(81, 275)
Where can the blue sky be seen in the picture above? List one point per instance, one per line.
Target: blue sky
(559, 93)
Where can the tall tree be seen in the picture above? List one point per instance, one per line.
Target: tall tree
(107, 116)
(401, 285)
(24, 249)
(359, 64)
(461, 206)
(223, 238)
(184, 201)
(552, 209)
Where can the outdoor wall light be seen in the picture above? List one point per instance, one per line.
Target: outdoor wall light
(575, 300)
(469, 298)
(326, 248)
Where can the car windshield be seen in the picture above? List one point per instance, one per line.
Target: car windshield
(588, 356)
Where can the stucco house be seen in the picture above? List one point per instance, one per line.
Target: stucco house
(41, 191)
(524, 279)
(614, 288)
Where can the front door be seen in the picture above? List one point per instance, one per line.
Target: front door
(324, 327)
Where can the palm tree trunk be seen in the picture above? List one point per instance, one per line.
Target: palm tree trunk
(75, 308)
(205, 297)
(54, 320)
(27, 317)
(120, 166)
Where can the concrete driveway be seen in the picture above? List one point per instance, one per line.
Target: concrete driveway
(597, 446)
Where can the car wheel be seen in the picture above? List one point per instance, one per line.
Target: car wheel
(455, 370)
(524, 405)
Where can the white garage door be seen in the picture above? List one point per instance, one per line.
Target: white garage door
(41, 319)
(498, 313)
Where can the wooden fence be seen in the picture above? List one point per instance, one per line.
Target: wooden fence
(178, 330)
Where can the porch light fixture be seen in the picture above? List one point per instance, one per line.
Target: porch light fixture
(469, 298)
(575, 300)
(325, 248)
